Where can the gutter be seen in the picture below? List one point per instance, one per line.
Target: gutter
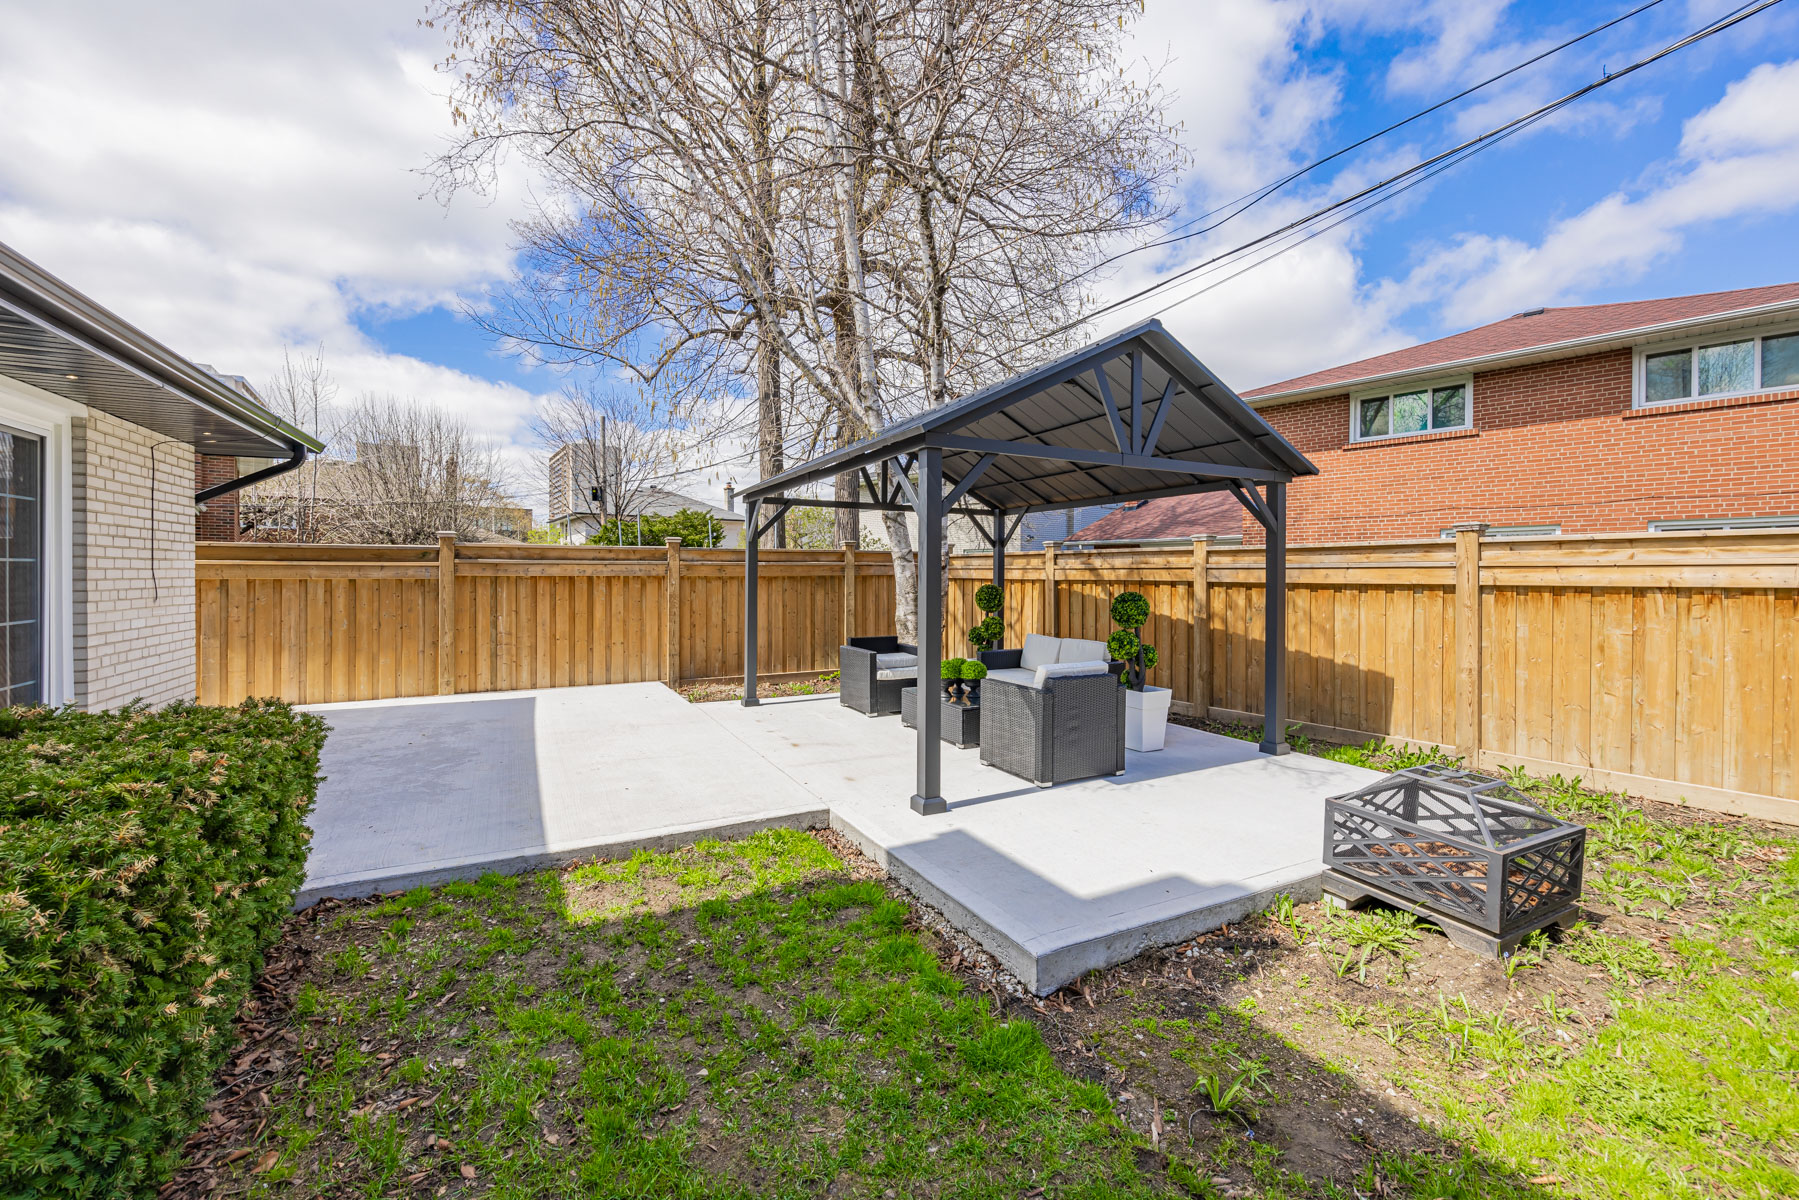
(1546, 351)
(63, 309)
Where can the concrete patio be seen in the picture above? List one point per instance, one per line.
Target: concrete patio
(1054, 882)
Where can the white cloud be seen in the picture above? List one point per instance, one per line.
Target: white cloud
(236, 177)
(1737, 159)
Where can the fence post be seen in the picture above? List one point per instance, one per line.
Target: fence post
(446, 613)
(672, 652)
(1049, 590)
(1200, 691)
(849, 592)
(1467, 642)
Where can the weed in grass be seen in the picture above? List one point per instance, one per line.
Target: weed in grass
(1621, 957)
(1225, 1098)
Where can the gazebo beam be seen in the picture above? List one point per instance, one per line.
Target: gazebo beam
(1274, 626)
(928, 799)
(751, 586)
(1188, 489)
(1105, 458)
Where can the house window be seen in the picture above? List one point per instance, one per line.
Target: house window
(1515, 531)
(21, 567)
(1702, 524)
(1416, 410)
(1730, 367)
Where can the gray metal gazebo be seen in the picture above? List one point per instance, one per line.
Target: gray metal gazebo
(1132, 417)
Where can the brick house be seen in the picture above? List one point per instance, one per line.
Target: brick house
(99, 430)
(1680, 413)
(1671, 414)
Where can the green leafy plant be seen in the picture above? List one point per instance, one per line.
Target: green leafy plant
(692, 526)
(1129, 612)
(950, 670)
(1226, 1099)
(988, 632)
(973, 670)
(146, 861)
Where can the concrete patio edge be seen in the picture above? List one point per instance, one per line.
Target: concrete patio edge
(452, 870)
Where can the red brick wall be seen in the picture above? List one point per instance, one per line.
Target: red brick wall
(1553, 444)
(219, 522)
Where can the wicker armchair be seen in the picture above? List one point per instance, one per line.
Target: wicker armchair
(861, 687)
(1071, 728)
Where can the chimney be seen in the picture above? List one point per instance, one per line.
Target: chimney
(730, 497)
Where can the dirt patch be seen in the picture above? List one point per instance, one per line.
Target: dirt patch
(704, 693)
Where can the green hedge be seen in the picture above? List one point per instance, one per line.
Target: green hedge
(147, 858)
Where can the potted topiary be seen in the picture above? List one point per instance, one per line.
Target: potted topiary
(1145, 707)
(992, 627)
(951, 675)
(973, 671)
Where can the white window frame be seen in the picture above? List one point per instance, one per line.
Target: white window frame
(50, 417)
(1704, 524)
(1465, 382)
(1502, 532)
(1639, 386)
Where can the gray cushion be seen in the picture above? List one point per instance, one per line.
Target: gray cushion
(1050, 671)
(1014, 675)
(1081, 650)
(1039, 649)
(896, 666)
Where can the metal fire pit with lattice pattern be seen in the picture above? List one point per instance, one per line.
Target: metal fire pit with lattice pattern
(1468, 851)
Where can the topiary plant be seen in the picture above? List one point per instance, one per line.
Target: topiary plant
(992, 627)
(973, 670)
(1129, 611)
(950, 670)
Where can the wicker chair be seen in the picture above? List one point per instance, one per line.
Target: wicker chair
(861, 687)
(1071, 728)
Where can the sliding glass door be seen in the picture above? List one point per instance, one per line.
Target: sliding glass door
(22, 561)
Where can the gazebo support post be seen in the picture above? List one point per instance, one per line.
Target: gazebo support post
(999, 560)
(751, 585)
(1274, 625)
(928, 799)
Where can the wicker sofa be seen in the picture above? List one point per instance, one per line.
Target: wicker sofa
(873, 671)
(1049, 715)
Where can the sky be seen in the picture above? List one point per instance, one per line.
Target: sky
(238, 179)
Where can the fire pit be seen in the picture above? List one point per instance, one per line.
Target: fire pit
(1467, 851)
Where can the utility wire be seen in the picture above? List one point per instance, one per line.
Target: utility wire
(1451, 156)
(1250, 199)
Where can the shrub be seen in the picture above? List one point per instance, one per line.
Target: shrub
(986, 634)
(951, 668)
(146, 860)
(1129, 611)
(974, 668)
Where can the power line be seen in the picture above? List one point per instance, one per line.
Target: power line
(1450, 157)
(1250, 199)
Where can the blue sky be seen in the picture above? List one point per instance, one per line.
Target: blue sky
(273, 198)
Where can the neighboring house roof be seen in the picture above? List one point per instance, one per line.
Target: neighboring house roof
(1540, 334)
(54, 338)
(1169, 517)
(664, 503)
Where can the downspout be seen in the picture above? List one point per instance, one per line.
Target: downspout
(297, 457)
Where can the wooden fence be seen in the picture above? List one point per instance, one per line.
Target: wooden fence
(1663, 664)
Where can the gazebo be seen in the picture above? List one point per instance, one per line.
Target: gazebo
(1132, 417)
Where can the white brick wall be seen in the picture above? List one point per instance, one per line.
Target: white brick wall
(134, 564)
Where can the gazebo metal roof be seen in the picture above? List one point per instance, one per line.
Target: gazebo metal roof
(1131, 417)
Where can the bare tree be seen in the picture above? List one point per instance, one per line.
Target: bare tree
(303, 392)
(395, 472)
(615, 446)
(891, 196)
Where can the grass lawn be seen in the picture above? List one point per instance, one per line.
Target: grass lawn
(771, 1017)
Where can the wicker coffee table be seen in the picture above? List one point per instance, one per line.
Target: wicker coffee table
(961, 723)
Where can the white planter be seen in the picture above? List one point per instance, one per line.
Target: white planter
(1146, 718)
